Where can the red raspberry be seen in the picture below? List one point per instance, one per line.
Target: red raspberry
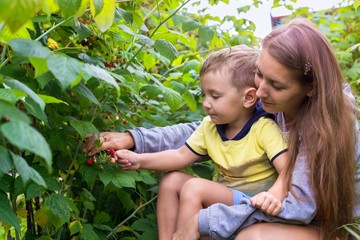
(89, 162)
(111, 152)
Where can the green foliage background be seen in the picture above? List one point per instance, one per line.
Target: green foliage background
(73, 67)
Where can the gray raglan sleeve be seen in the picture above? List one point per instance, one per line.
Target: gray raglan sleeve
(220, 221)
(162, 138)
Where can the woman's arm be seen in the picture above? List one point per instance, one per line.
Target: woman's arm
(141, 140)
(162, 138)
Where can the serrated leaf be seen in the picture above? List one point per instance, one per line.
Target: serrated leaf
(166, 49)
(58, 205)
(6, 213)
(83, 127)
(152, 91)
(26, 172)
(118, 178)
(101, 74)
(66, 69)
(29, 48)
(105, 18)
(172, 98)
(25, 137)
(13, 83)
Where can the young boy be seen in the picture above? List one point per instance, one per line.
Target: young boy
(238, 135)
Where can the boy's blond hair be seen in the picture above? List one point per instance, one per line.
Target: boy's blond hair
(239, 60)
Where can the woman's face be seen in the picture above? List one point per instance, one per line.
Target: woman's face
(278, 88)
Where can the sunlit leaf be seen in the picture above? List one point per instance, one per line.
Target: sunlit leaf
(172, 98)
(101, 74)
(105, 18)
(24, 10)
(83, 127)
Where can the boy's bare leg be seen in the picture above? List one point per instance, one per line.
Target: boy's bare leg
(168, 202)
(198, 193)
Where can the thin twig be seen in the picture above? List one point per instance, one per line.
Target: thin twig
(129, 217)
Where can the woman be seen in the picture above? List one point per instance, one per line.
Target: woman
(299, 78)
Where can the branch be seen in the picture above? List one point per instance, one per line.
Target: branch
(129, 217)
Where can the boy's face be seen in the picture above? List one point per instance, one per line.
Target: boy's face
(222, 101)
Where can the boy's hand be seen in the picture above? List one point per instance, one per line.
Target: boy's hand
(127, 160)
(267, 203)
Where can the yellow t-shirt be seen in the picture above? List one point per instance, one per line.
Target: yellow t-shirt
(244, 162)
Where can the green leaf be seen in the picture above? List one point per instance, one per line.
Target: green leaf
(102, 217)
(152, 91)
(83, 127)
(8, 95)
(26, 137)
(88, 232)
(13, 83)
(26, 172)
(84, 91)
(166, 49)
(16, 13)
(9, 111)
(29, 48)
(118, 178)
(101, 74)
(66, 69)
(105, 18)
(39, 65)
(69, 7)
(190, 101)
(58, 205)
(206, 33)
(172, 98)
(5, 161)
(34, 109)
(96, 6)
(75, 227)
(190, 25)
(6, 35)
(51, 99)
(6, 213)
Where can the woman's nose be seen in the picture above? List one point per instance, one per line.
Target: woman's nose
(261, 91)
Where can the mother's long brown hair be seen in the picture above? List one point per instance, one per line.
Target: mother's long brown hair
(325, 125)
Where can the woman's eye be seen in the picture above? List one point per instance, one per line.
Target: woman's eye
(258, 74)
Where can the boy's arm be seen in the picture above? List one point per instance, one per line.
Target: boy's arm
(270, 202)
(161, 161)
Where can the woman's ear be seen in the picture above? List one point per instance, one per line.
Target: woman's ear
(310, 90)
(250, 98)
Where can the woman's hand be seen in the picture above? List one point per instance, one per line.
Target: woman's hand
(189, 231)
(108, 140)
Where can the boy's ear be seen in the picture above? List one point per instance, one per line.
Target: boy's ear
(250, 97)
